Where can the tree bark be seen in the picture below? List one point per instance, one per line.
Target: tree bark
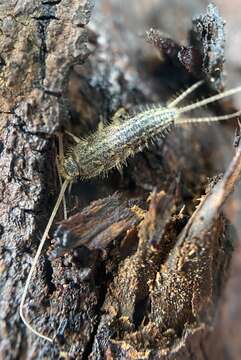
(146, 253)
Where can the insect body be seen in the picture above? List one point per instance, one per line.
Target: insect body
(110, 147)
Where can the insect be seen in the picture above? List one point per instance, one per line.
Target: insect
(111, 146)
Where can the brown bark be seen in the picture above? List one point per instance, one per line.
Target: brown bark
(140, 276)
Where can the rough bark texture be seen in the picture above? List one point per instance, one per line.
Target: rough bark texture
(145, 256)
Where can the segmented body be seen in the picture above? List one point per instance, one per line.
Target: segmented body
(110, 146)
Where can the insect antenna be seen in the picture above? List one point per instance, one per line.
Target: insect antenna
(35, 260)
(61, 184)
(185, 93)
(209, 100)
(61, 156)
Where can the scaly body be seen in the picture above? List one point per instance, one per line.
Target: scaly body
(110, 146)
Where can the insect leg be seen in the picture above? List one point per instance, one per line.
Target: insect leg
(120, 116)
(101, 123)
(185, 94)
(74, 137)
